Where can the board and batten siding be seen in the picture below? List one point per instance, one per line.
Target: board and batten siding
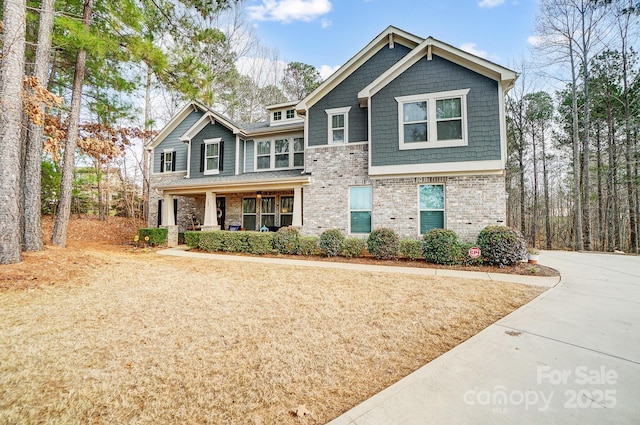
(345, 94)
(172, 141)
(431, 76)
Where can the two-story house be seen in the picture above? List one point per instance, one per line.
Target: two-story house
(409, 134)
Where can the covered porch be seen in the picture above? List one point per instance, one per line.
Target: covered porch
(232, 203)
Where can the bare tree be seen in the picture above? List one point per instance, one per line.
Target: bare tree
(11, 74)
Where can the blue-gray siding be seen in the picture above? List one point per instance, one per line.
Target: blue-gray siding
(214, 131)
(436, 75)
(172, 141)
(345, 94)
(241, 156)
(249, 154)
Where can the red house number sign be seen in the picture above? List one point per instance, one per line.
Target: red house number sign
(474, 252)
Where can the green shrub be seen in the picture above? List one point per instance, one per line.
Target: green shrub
(411, 249)
(308, 245)
(286, 240)
(353, 247)
(383, 244)
(502, 246)
(192, 239)
(181, 238)
(235, 242)
(157, 236)
(259, 243)
(211, 241)
(464, 258)
(330, 242)
(441, 246)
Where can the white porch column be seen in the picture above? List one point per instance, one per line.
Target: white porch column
(169, 220)
(297, 207)
(210, 212)
(168, 215)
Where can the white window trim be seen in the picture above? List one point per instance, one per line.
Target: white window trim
(369, 210)
(284, 214)
(330, 114)
(274, 116)
(272, 154)
(275, 209)
(255, 214)
(211, 142)
(444, 207)
(164, 166)
(286, 114)
(432, 128)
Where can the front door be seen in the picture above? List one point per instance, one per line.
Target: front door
(220, 211)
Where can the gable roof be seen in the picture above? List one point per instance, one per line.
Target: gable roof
(387, 37)
(429, 46)
(209, 116)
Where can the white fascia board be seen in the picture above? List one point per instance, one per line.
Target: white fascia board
(504, 76)
(174, 122)
(355, 62)
(495, 167)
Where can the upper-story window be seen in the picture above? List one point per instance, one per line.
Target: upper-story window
(338, 125)
(212, 153)
(280, 153)
(277, 116)
(433, 120)
(168, 161)
(291, 113)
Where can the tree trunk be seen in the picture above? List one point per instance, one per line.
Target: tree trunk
(12, 66)
(32, 181)
(585, 180)
(545, 182)
(534, 218)
(145, 152)
(578, 244)
(601, 204)
(59, 236)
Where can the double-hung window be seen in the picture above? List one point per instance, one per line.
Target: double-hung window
(263, 153)
(168, 160)
(249, 213)
(212, 156)
(291, 114)
(268, 211)
(338, 125)
(286, 211)
(433, 120)
(360, 203)
(431, 205)
(282, 153)
(298, 152)
(277, 116)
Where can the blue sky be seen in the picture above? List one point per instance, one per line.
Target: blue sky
(326, 33)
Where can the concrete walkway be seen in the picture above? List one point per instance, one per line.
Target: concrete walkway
(571, 356)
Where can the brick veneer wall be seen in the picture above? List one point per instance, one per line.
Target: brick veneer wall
(471, 202)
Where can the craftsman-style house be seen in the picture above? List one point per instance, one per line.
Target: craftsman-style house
(408, 134)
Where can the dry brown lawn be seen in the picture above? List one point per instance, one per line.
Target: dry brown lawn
(140, 338)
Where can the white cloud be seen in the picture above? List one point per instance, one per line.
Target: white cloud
(325, 23)
(535, 40)
(471, 48)
(287, 11)
(327, 70)
(490, 3)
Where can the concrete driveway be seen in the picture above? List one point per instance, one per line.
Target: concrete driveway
(571, 356)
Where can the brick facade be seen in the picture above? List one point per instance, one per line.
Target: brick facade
(471, 202)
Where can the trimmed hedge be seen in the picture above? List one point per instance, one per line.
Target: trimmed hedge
(308, 245)
(441, 246)
(211, 241)
(330, 242)
(259, 243)
(383, 244)
(286, 240)
(235, 241)
(157, 236)
(192, 238)
(411, 249)
(353, 248)
(502, 246)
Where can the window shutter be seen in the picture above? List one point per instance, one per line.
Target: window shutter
(221, 157)
(173, 161)
(159, 212)
(202, 146)
(175, 211)
(162, 162)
